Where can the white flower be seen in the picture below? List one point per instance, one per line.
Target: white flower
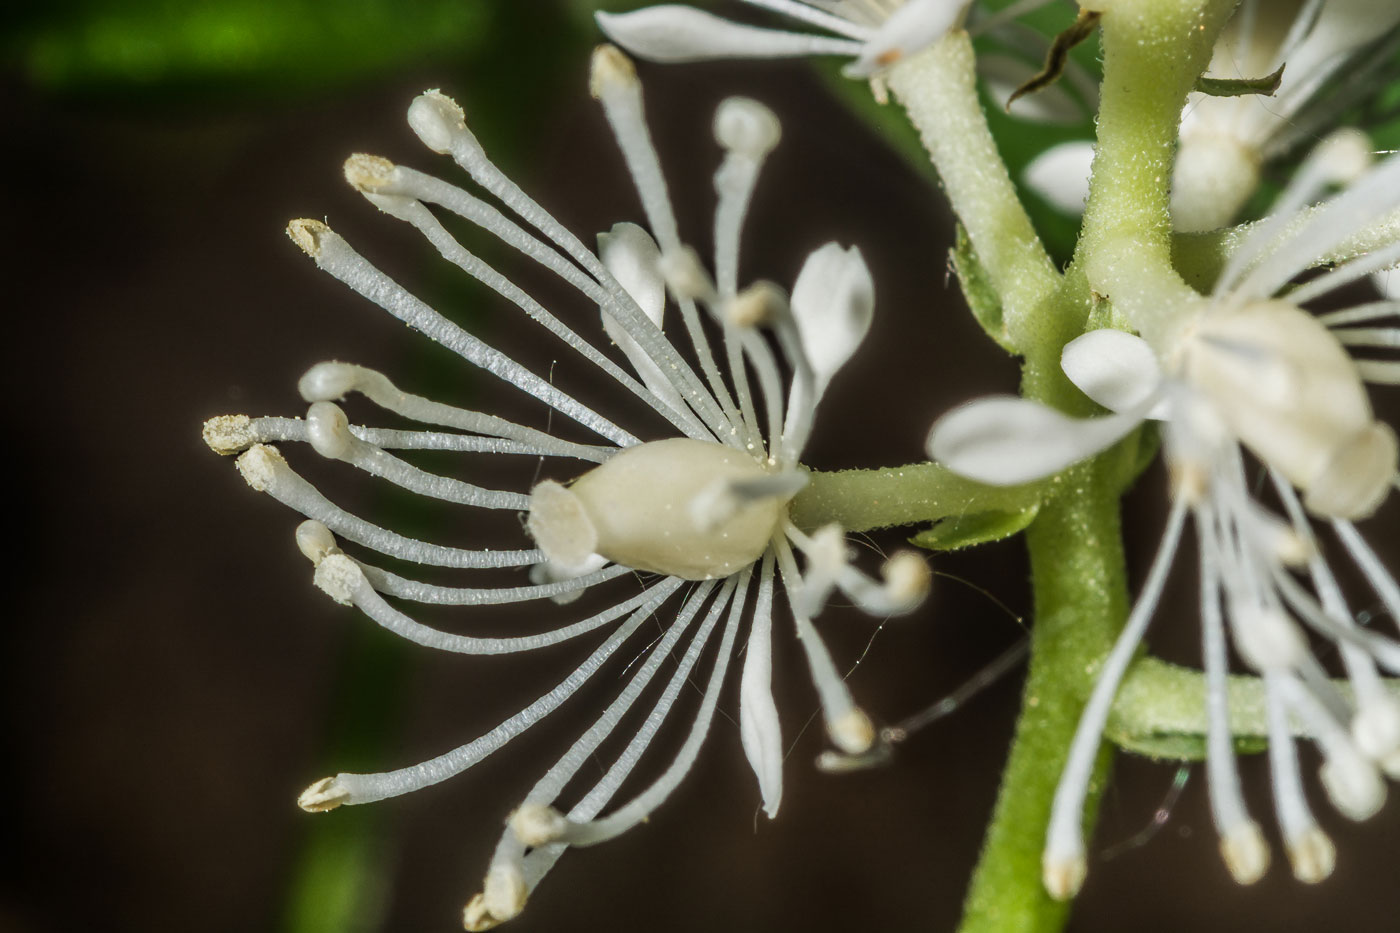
(874, 33)
(693, 521)
(1244, 370)
(1225, 141)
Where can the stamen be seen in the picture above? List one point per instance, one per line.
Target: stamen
(329, 381)
(393, 585)
(759, 728)
(1345, 274)
(1063, 864)
(414, 213)
(1384, 337)
(1366, 201)
(611, 295)
(1360, 314)
(848, 727)
(1351, 782)
(266, 471)
(614, 83)
(1380, 579)
(1241, 844)
(329, 433)
(345, 582)
(368, 788)
(819, 18)
(333, 255)
(1310, 852)
(640, 807)
(536, 823)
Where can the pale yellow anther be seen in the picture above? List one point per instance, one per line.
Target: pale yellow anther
(756, 306)
(307, 234)
(260, 465)
(852, 732)
(1312, 855)
(611, 71)
(228, 434)
(1063, 876)
(323, 796)
(1245, 852)
(368, 172)
(907, 580)
(537, 824)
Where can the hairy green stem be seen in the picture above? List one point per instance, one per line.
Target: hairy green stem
(1160, 711)
(1153, 52)
(1080, 603)
(938, 88)
(862, 500)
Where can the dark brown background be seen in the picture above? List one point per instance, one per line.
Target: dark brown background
(172, 680)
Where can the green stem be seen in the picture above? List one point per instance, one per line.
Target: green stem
(1160, 711)
(1080, 603)
(862, 500)
(1153, 52)
(938, 88)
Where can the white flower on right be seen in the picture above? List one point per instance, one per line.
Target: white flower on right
(1244, 370)
(1226, 141)
(875, 34)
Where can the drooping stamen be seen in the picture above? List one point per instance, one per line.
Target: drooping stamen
(328, 431)
(333, 255)
(330, 381)
(266, 471)
(1063, 864)
(640, 807)
(368, 788)
(759, 729)
(1241, 843)
(1310, 851)
(1352, 783)
(847, 725)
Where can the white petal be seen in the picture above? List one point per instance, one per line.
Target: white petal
(1052, 106)
(633, 258)
(674, 33)
(833, 301)
(1060, 175)
(1117, 370)
(759, 730)
(1004, 440)
(911, 27)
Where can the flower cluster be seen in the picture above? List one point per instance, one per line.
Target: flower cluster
(696, 521)
(1244, 370)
